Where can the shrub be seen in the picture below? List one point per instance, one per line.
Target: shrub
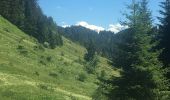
(22, 50)
(91, 66)
(7, 30)
(49, 58)
(35, 48)
(20, 47)
(70, 42)
(62, 71)
(39, 47)
(36, 73)
(10, 64)
(46, 45)
(73, 98)
(62, 53)
(102, 75)
(42, 62)
(42, 57)
(66, 63)
(76, 51)
(61, 59)
(82, 77)
(46, 87)
(100, 94)
(21, 39)
(79, 60)
(54, 75)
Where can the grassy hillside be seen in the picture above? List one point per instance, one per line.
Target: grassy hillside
(28, 71)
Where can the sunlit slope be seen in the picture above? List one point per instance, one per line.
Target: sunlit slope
(29, 71)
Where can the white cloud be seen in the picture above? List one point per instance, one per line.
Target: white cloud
(117, 27)
(112, 27)
(64, 26)
(92, 27)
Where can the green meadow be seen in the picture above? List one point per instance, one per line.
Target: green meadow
(29, 71)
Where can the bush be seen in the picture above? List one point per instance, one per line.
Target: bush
(61, 59)
(20, 47)
(22, 50)
(70, 42)
(39, 47)
(49, 58)
(91, 66)
(82, 77)
(7, 30)
(21, 39)
(36, 73)
(102, 75)
(66, 63)
(42, 62)
(54, 75)
(62, 53)
(73, 98)
(79, 60)
(46, 45)
(42, 57)
(76, 51)
(46, 87)
(62, 71)
(100, 94)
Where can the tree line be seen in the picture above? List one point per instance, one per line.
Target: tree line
(101, 41)
(28, 16)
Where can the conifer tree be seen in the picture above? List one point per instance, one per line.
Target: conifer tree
(142, 76)
(90, 52)
(165, 34)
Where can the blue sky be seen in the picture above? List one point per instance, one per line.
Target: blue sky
(94, 12)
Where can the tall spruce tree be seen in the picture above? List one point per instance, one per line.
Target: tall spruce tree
(90, 51)
(142, 76)
(165, 34)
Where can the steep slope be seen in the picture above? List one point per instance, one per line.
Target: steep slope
(28, 71)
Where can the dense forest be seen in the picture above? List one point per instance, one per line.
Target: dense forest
(27, 15)
(141, 53)
(102, 41)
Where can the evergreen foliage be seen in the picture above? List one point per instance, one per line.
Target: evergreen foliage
(27, 15)
(143, 69)
(143, 76)
(164, 36)
(90, 52)
(82, 35)
(91, 66)
(91, 58)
